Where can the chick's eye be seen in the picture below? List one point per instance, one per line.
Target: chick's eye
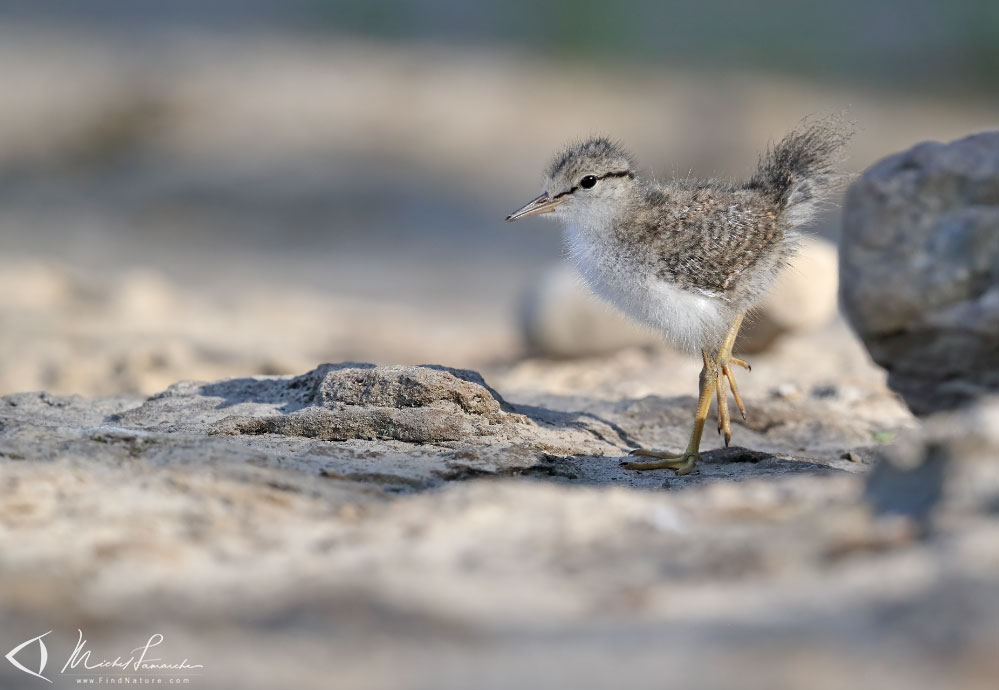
(588, 181)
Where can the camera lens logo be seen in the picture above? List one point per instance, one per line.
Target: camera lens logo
(43, 657)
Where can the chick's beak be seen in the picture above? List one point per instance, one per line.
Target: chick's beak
(534, 207)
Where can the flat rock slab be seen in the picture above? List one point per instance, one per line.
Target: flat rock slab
(411, 427)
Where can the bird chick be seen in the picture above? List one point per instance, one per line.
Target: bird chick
(689, 257)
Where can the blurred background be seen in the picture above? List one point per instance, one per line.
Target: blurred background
(198, 190)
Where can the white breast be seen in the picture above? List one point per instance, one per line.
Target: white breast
(690, 320)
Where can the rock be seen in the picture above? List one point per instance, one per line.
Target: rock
(919, 269)
(560, 317)
(787, 391)
(412, 404)
(909, 491)
(969, 439)
(451, 390)
(954, 456)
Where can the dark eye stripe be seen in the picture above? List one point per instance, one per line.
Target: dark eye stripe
(622, 173)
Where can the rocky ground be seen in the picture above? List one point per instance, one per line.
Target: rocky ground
(361, 526)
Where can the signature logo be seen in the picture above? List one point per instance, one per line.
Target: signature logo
(43, 657)
(82, 661)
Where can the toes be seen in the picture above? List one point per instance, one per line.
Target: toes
(686, 469)
(735, 392)
(724, 424)
(648, 453)
(680, 464)
(728, 376)
(741, 363)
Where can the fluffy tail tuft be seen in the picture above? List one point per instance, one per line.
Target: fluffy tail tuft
(799, 172)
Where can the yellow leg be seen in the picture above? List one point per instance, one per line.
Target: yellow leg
(727, 370)
(715, 374)
(724, 423)
(683, 462)
(722, 361)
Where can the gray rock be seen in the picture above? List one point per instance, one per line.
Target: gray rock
(919, 269)
(910, 491)
(404, 403)
(969, 439)
(953, 459)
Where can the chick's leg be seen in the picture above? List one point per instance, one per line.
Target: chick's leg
(683, 463)
(723, 362)
(716, 373)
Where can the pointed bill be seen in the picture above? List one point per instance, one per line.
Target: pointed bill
(535, 207)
